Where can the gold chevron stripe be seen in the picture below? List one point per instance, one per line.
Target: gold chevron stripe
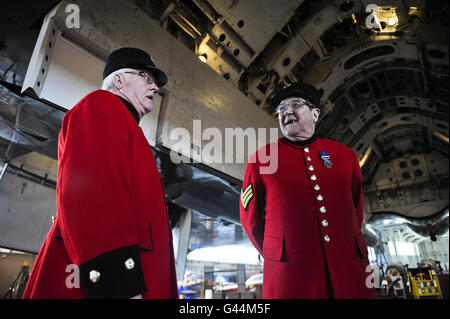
(245, 202)
(246, 196)
(247, 192)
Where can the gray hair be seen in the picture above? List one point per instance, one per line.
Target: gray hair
(108, 83)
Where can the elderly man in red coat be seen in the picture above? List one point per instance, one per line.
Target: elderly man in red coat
(111, 237)
(305, 217)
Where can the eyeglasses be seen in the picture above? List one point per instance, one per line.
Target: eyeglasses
(294, 106)
(145, 75)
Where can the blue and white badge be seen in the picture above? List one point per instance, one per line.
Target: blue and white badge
(325, 159)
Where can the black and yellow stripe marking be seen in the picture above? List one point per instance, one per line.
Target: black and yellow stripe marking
(246, 196)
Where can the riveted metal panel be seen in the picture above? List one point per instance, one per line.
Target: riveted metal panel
(400, 49)
(291, 55)
(320, 23)
(256, 21)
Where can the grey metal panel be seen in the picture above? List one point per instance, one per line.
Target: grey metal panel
(307, 37)
(392, 120)
(26, 206)
(321, 22)
(293, 53)
(218, 61)
(266, 18)
(402, 49)
(390, 174)
(149, 123)
(233, 44)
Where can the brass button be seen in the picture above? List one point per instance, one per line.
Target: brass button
(94, 276)
(129, 264)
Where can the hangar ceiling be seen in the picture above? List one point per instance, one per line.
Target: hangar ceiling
(384, 72)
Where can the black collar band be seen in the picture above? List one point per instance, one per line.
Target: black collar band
(130, 108)
(303, 143)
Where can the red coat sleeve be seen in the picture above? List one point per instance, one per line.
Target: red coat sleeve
(95, 197)
(357, 190)
(252, 205)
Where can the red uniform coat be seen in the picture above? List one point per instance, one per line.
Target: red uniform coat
(112, 218)
(305, 220)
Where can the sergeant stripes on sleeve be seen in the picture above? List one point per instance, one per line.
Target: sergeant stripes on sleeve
(246, 196)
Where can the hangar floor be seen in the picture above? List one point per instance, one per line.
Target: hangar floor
(222, 264)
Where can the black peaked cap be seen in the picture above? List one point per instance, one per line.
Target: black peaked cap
(133, 58)
(298, 89)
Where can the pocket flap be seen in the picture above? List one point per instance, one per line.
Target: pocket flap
(273, 248)
(145, 235)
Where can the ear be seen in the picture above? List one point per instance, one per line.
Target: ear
(119, 81)
(316, 114)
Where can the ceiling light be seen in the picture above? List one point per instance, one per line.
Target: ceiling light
(392, 21)
(203, 57)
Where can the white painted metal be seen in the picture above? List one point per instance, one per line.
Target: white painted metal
(62, 72)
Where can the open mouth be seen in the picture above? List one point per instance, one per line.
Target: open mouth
(290, 120)
(150, 97)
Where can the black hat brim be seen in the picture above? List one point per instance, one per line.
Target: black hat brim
(160, 76)
(288, 93)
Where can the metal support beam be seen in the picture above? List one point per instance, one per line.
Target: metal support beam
(2, 173)
(241, 277)
(182, 244)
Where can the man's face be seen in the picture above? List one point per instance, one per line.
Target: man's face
(297, 124)
(140, 88)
